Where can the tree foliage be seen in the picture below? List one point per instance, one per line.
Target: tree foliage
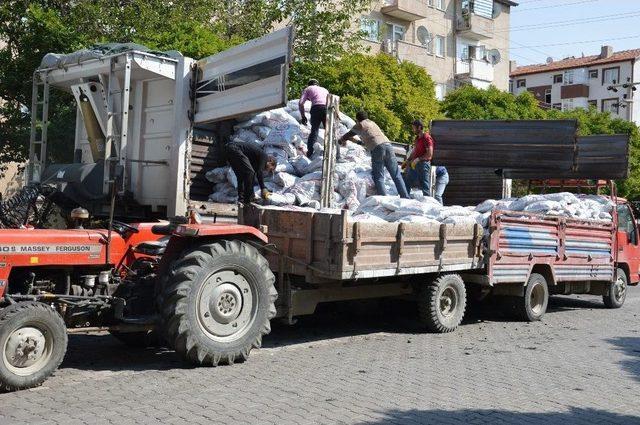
(394, 94)
(472, 103)
(197, 28)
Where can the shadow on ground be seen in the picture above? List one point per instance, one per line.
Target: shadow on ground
(336, 320)
(478, 416)
(630, 346)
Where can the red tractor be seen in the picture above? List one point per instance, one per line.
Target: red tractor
(203, 288)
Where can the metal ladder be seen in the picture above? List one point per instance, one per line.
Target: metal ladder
(39, 126)
(117, 118)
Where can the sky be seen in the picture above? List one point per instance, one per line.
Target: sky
(562, 28)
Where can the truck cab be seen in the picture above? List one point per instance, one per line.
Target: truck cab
(627, 241)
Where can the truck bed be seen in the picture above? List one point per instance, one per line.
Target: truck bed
(320, 245)
(329, 246)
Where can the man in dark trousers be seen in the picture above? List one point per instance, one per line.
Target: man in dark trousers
(317, 95)
(382, 154)
(418, 164)
(248, 162)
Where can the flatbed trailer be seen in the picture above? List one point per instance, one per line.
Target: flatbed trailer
(324, 256)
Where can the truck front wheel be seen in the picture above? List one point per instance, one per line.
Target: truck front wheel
(533, 305)
(442, 303)
(218, 303)
(617, 293)
(33, 340)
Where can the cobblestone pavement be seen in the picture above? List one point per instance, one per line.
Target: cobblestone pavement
(581, 364)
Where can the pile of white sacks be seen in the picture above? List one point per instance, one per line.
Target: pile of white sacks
(297, 178)
(296, 182)
(428, 210)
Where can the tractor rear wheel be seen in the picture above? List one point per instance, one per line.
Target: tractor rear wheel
(218, 302)
(33, 340)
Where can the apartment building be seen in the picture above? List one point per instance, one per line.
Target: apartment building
(456, 41)
(604, 81)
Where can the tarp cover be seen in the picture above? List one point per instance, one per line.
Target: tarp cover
(97, 51)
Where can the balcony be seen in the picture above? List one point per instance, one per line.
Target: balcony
(475, 27)
(407, 10)
(474, 70)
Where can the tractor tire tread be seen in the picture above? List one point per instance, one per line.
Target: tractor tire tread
(178, 331)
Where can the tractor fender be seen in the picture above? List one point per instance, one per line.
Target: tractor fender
(187, 235)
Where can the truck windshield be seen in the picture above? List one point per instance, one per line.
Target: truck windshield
(626, 224)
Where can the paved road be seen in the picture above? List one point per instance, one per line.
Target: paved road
(580, 365)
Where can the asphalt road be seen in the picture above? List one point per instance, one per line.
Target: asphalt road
(581, 364)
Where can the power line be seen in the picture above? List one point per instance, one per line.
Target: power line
(573, 22)
(555, 5)
(578, 42)
(567, 24)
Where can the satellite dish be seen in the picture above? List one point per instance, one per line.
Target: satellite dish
(549, 59)
(494, 56)
(424, 37)
(496, 10)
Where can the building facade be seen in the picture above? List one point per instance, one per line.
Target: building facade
(603, 81)
(456, 41)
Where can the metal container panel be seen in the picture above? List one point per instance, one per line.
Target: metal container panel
(599, 157)
(549, 144)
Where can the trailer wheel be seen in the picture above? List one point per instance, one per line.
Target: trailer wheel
(218, 303)
(533, 305)
(33, 340)
(617, 291)
(442, 303)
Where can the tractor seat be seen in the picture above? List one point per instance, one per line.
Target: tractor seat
(153, 248)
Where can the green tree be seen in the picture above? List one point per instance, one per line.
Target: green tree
(472, 103)
(394, 94)
(196, 28)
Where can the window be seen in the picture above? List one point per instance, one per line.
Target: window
(611, 105)
(439, 45)
(593, 73)
(626, 224)
(547, 96)
(521, 83)
(395, 32)
(557, 78)
(567, 104)
(439, 4)
(568, 77)
(473, 52)
(593, 103)
(557, 106)
(370, 28)
(441, 91)
(610, 76)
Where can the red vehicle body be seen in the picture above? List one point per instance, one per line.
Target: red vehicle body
(202, 284)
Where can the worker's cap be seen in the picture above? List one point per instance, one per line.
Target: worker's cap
(313, 82)
(418, 123)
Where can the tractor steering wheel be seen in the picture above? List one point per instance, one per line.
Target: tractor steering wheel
(124, 227)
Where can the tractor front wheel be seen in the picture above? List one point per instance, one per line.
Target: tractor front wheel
(33, 340)
(218, 302)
